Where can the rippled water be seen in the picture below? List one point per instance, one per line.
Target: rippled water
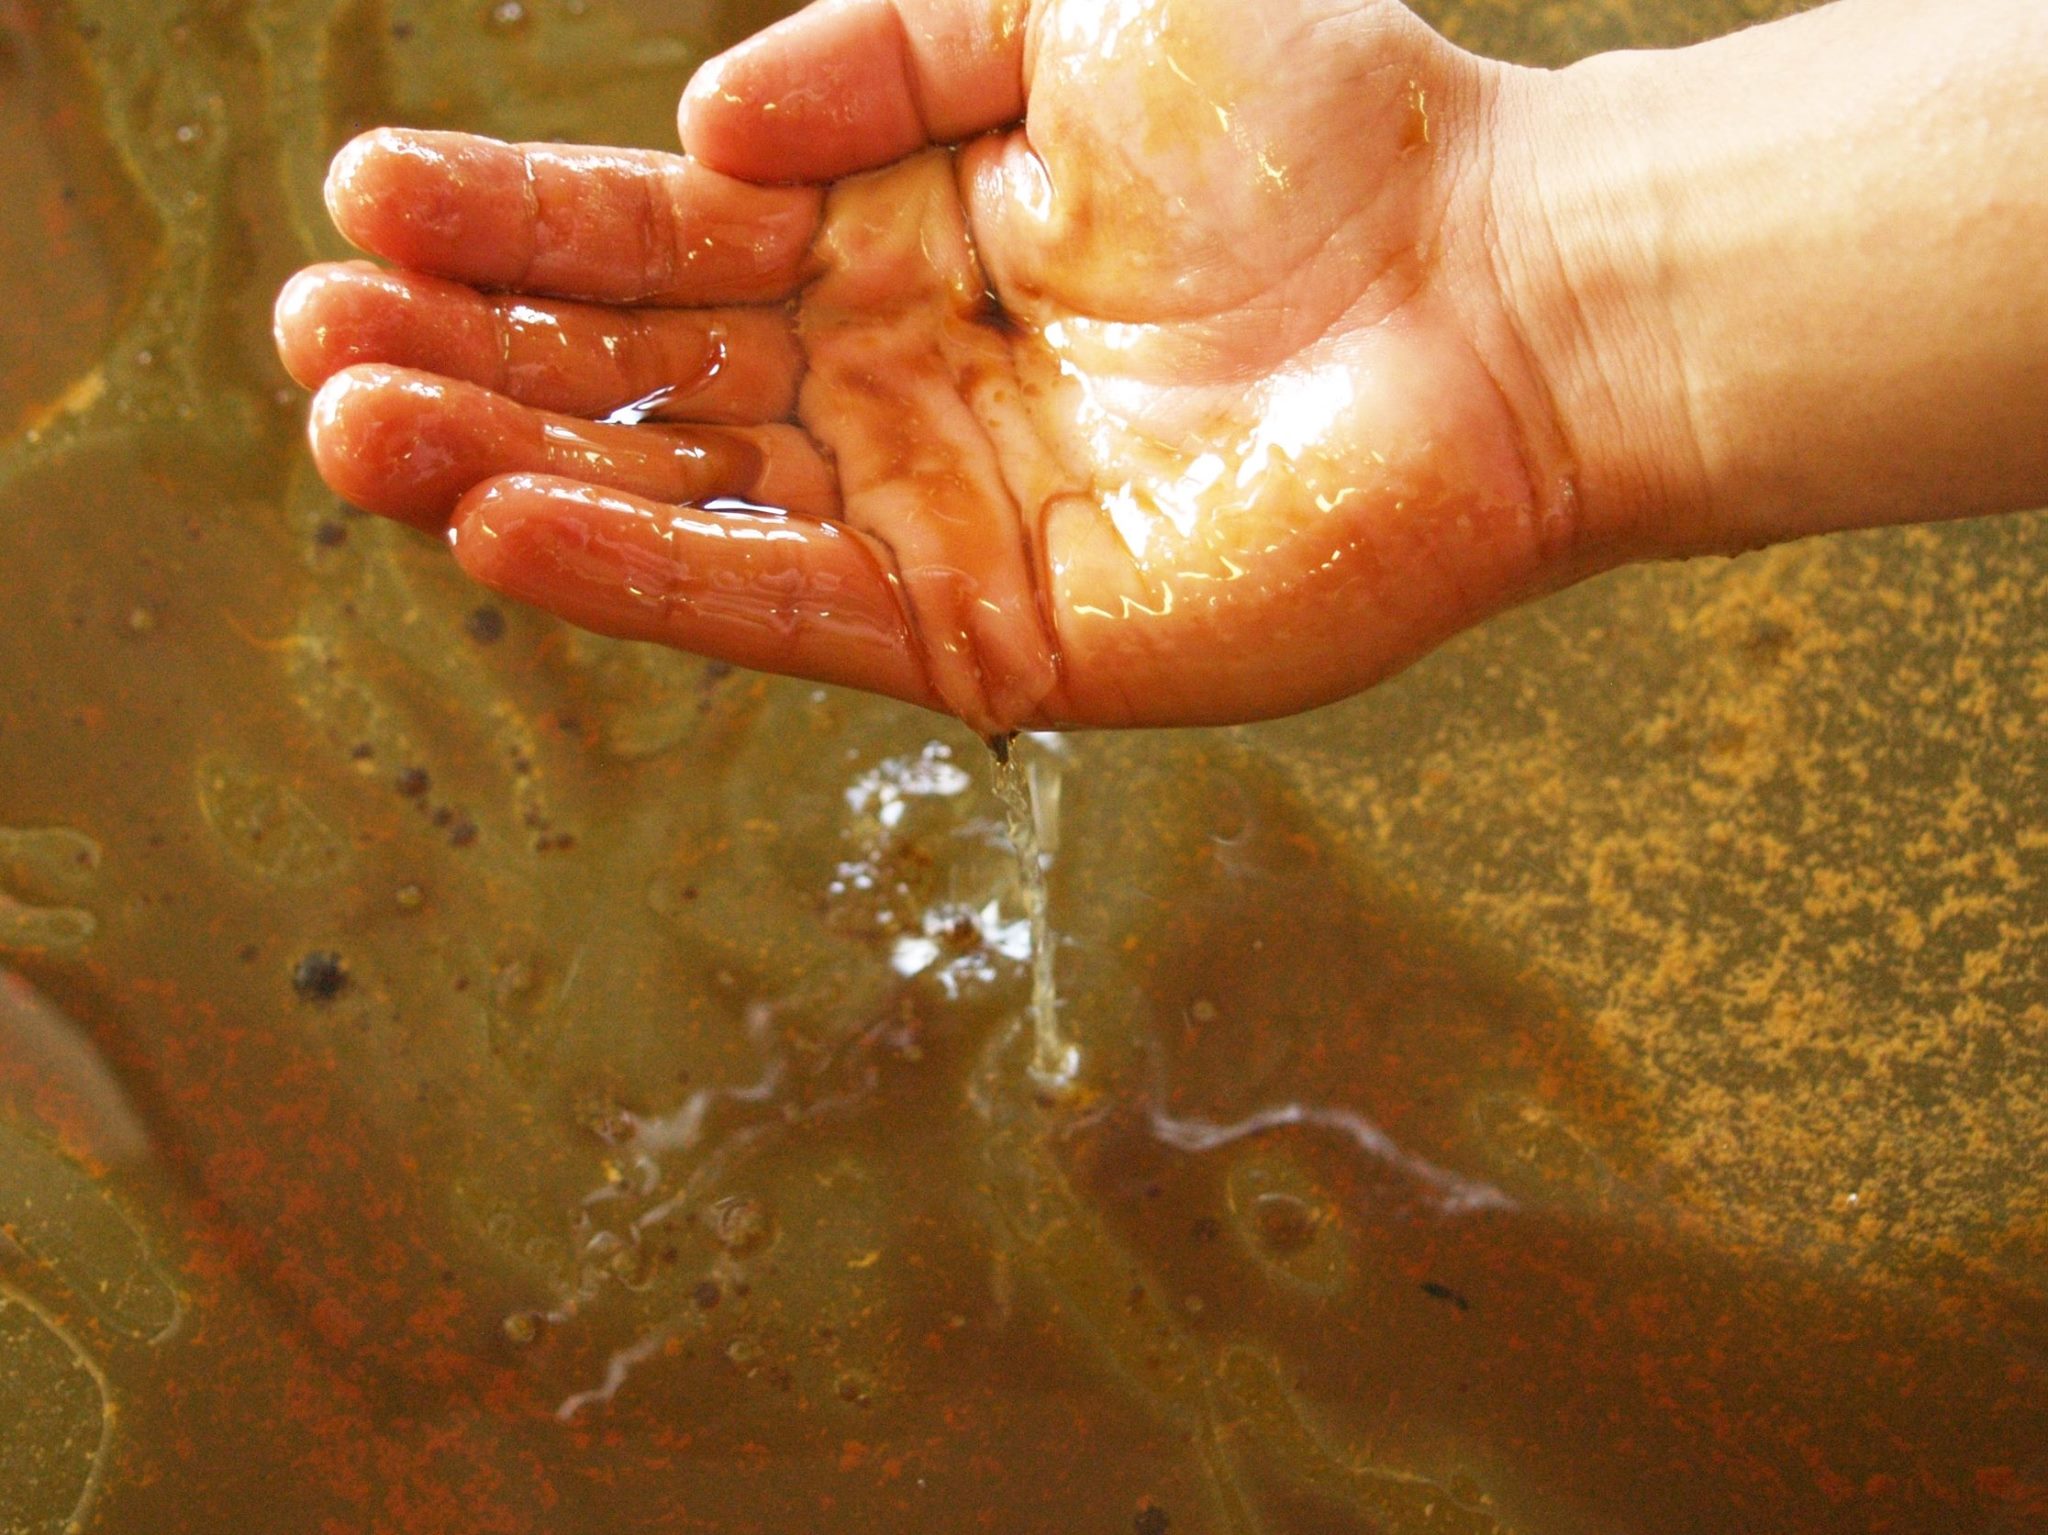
(457, 1074)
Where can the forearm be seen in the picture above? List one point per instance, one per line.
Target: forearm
(1796, 279)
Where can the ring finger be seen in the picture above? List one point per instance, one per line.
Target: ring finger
(408, 445)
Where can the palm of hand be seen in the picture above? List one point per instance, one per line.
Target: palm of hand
(1170, 406)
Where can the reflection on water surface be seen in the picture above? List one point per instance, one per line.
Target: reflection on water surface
(457, 1074)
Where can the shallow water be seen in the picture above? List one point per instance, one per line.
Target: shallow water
(1594, 1082)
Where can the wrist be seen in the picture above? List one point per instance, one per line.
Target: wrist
(1788, 281)
(1580, 247)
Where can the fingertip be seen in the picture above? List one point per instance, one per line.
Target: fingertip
(434, 201)
(325, 319)
(698, 106)
(491, 515)
(406, 444)
(724, 124)
(815, 96)
(847, 85)
(340, 314)
(345, 188)
(521, 535)
(295, 331)
(352, 438)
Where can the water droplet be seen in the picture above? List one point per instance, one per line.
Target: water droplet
(633, 412)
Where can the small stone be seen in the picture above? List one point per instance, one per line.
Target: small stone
(485, 625)
(413, 782)
(856, 1388)
(319, 976)
(141, 620)
(506, 16)
(462, 833)
(410, 897)
(1150, 1520)
(522, 1328)
(1202, 1010)
(706, 1294)
(330, 535)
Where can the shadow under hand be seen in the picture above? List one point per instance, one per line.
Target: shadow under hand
(1394, 1245)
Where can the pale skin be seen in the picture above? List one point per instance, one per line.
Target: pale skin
(1061, 363)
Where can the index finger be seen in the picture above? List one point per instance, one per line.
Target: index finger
(617, 226)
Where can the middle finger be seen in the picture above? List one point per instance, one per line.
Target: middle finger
(736, 366)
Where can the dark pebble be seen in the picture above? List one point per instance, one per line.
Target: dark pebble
(319, 976)
(413, 782)
(1150, 1520)
(1444, 1292)
(329, 535)
(485, 625)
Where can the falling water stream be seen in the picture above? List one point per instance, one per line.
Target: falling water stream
(1029, 796)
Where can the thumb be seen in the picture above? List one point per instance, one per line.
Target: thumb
(846, 85)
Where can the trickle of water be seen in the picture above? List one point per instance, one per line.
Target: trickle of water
(1055, 1058)
(633, 412)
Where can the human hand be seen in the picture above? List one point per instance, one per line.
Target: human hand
(1185, 391)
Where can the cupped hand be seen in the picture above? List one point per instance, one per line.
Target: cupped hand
(1182, 390)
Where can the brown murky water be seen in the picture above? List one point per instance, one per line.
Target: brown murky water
(461, 1075)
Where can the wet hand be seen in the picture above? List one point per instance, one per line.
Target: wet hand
(1182, 391)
